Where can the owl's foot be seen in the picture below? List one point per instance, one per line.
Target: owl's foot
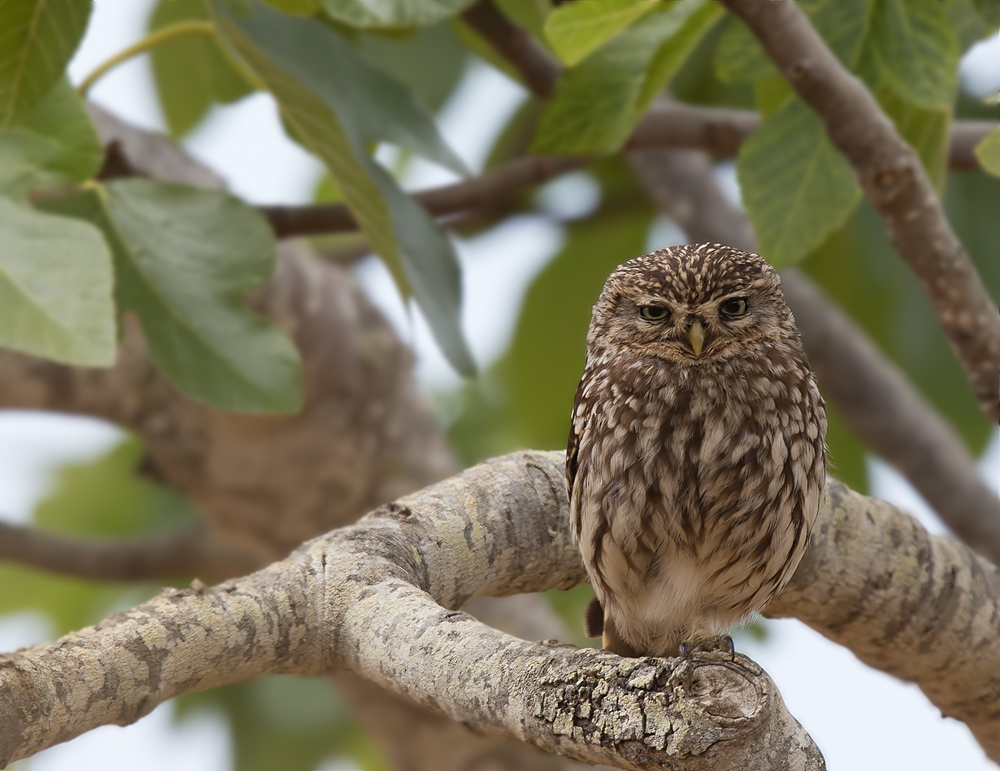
(709, 645)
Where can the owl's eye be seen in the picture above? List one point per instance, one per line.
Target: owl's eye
(653, 312)
(737, 306)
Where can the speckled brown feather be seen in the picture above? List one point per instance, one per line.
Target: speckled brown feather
(694, 480)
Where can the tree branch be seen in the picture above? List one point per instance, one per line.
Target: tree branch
(380, 598)
(186, 552)
(875, 398)
(479, 192)
(894, 180)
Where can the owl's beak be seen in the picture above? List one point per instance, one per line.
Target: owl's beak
(696, 336)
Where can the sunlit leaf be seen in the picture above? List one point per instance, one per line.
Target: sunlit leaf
(185, 261)
(796, 186)
(576, 30)
(393, 13)
(988, 153)
(37, 39)
(190, 73)
(53, 147)
(597, 103)
(55, 288)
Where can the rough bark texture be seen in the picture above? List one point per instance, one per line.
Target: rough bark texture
(895, 182)
(380, 598)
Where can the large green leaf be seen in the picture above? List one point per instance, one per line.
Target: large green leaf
(185, 261)
(37, 39)
(55, 146)
(393, 13)
(431, 61)
(335, 117)
(55, 288)
(988, 153)
(190, 73)
(916, 50)
(576, 30)
(796, 187)
(597, 103)
(909, 45)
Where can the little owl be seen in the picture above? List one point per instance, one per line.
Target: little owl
(696, 461)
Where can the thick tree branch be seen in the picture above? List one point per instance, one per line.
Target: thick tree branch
(380, 598)
(875, 398)
(894, 180)
(187, 552)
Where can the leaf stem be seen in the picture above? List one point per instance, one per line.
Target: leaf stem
(160, 36)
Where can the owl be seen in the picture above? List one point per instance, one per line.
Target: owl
(696, 459)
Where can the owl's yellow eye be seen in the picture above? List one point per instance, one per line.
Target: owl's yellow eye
(737, 306)
(653, 312)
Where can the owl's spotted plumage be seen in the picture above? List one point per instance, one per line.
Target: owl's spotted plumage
(696, 459)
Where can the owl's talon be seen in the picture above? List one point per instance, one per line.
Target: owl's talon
(708, 645)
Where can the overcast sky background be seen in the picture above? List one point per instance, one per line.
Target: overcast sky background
(863, 720)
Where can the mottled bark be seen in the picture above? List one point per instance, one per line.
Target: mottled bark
(381, 599)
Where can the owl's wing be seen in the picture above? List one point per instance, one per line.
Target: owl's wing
(577, 426)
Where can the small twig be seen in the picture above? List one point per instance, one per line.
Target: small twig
(895, 182)
(184, 553)
(152, 40)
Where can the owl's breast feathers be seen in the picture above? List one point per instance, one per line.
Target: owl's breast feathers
(707, 477)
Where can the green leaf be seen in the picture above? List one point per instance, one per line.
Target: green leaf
(297, 7)
(335, 117)
(431, 61)
(190, 73)
(988, 153)
(990, 12)
(915, 48)
(55, 146)
(739, 57)
(796, 187)
(927, 131)
(37, 39)
(55, 288)
(597, 103)
(576, 30)
(185, 261)
(393, 13)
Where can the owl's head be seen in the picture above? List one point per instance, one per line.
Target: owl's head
(691, 304)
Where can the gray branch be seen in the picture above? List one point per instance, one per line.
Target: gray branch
(382, 598)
